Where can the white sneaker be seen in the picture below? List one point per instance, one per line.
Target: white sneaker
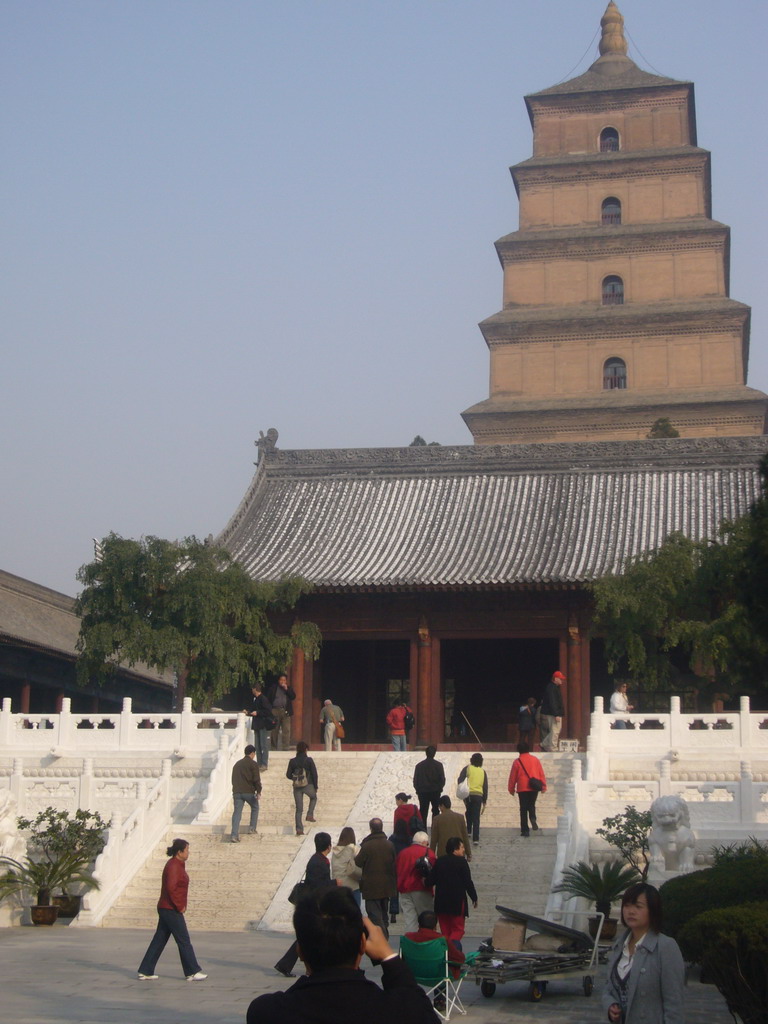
(197, 977)
(148, 977)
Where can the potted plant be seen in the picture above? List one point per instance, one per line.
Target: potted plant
(601, 884)
(62, 848)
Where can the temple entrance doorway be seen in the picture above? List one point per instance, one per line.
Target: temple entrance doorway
(364, 677)
(488, 680)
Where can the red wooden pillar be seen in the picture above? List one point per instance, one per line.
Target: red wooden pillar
(415, 689)
(573, 684)
(297, 682)
(425, 684)
(59, 700)
(437, 702)
(26, 693)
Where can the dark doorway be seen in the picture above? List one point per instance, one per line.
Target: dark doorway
(489, 680)
(364, 677)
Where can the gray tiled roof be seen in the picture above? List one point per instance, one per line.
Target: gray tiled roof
(609, 73)
(502, 515)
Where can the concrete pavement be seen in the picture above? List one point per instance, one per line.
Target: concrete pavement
(89, 975)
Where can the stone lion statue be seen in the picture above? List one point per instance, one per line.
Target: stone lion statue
(11, 843)
(671, 842)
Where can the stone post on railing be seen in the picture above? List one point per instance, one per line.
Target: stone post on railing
(665, 776)
(6, 723)
(188, 725)
(745, 724)
(17, 785)
(678, 732)
(596, 758)
(66, 737)
(86, 784)
(127, 725)
(749, 796)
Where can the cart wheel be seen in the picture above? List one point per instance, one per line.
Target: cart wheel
(587, 985)
(487, 988)
(537, 990)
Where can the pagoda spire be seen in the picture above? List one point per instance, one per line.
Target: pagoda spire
(612, 40)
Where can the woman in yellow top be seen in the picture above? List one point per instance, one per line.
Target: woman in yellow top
(475, 803)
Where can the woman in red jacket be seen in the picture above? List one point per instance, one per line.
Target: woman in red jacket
(525, 769)
(170, 910)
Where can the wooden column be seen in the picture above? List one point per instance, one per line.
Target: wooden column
(437, 703)
(573, 688)
(26, 692)
(424, 686)
(586, 687)
(297, 682)
(413, 693)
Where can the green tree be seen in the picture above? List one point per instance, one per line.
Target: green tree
(185, 606)
(752, 574)
(629, 832)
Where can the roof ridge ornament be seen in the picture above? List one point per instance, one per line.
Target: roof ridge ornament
(612, 39)
(266, 443)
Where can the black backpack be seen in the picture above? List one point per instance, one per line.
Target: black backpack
(409, 721)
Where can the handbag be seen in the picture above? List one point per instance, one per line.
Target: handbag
(299, 891)
(462, 790)
(340, 734)
(536, 784)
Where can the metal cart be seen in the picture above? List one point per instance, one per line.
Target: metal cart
(579, 958)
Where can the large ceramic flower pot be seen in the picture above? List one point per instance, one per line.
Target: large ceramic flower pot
(44, 915)
(69, 906)
(608, 934)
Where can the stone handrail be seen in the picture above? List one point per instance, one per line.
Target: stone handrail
(128, 846)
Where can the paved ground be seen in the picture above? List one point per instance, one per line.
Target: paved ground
(89, 974)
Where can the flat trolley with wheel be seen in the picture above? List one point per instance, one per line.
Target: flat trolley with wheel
(576, 955)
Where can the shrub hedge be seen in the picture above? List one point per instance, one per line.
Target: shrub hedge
(727, 884)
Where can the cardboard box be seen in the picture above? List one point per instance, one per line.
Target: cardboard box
(508, 935)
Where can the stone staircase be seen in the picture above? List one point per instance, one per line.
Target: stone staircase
(236, 886)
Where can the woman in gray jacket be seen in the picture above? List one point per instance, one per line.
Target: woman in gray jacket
(646, 973)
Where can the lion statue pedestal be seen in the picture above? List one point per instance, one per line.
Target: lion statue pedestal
(671, 842)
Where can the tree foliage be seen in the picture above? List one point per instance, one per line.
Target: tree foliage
(663, 428)
(185, 606)
(706, 601)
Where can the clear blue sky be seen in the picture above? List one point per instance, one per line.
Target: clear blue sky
(228, 215)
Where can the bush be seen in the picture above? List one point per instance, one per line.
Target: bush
(732, 946)
(734, 881)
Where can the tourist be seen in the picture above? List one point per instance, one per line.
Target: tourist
(429, 782)
(452, 882)
(397, 725)
(246, 789)
(343, 868)
(620, 706)
(527, 778)
(281, 697)
(427, 933)
(646, 973)
(170, 911)
(378, 882)
(261, 721)
(302, 772)
(331, 717)
(551, 712)
(446, 825)
(318, 879)
(477, 780)
(526, 722)
(413, 865)
(408, 812)
(331, 937)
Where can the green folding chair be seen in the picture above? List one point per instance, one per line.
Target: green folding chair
(429, 965)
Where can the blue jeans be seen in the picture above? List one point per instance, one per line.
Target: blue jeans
(261, 742)
(398, 742)
(240, 799)
(170, 923)
(298, 799)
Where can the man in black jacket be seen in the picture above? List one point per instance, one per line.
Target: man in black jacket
(246, 789)
(332, 937)
(551, 712)
(281, 697)
(429, 782)
(318, 879)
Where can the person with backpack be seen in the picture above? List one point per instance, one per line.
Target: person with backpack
(413, 866)
(302, 772)
(527, 777)
(400, 720)
(526, 722)
(409, 813)
(331, 717)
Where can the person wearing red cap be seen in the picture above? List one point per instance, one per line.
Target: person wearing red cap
(552, 711)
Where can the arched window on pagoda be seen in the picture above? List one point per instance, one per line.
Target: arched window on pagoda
(611, 211)
(609, 140)
(614, 374)
(613, 291)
